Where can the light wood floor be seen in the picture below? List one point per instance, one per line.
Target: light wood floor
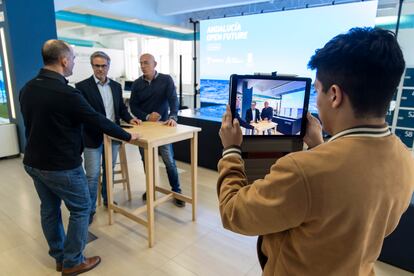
(182, 247)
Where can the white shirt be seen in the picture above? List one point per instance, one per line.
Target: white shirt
(108, 100)
(254, 115)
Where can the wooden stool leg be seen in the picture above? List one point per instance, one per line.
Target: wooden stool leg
(121, 165)
(124, 170)
(100, 189)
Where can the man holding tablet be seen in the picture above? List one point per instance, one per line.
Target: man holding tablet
(326, 211)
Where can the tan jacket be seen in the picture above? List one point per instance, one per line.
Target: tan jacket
(325, 211)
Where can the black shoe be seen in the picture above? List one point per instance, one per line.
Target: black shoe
(179, 203)
(59, 267)
(91, 217)
(144, 196)
(106, 203)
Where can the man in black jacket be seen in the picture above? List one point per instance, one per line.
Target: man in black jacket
(105, 96)
(53, 114)
(252, 114)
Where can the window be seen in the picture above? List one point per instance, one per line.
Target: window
(183, 48)
(132, 71)
(160, 49)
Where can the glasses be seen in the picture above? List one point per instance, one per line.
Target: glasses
(103, 66)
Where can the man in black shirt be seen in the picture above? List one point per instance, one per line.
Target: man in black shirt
(53, 113)
(151, 96)
(267, 114)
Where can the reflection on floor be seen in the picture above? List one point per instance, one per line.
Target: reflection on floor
(181, 246)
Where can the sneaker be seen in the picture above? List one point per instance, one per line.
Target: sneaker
(179, 203)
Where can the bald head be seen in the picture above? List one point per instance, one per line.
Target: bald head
(148, 63)
(148, 57)
(58, 56)
(53, 50)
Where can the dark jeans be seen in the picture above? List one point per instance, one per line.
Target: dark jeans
(70, 186)
(167, 155)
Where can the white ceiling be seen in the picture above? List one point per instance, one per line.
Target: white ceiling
(160, 7)
(164, 14)
(174, 15)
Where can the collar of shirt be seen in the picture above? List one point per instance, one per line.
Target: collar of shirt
(52, 75)
(97, 81)
(364, 131)
(149, 81)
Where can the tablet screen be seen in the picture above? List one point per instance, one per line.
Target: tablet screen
(270, 105)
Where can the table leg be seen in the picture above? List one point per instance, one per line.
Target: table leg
(149, 164)
(194, 161)
(109, 174)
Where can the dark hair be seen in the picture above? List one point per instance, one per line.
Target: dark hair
(101, 55)
(53, 50)
(366, 63)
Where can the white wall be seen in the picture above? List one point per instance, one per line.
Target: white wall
(142, 9)
(170, 7)
(83, 69)
(406, 40)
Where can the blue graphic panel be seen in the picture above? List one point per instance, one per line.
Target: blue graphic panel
(389, 117)
(407, 98)
(406, 136)
(405, 118)
(409, 77)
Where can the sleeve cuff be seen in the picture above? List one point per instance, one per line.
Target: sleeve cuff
(232, 151)
(173, 118)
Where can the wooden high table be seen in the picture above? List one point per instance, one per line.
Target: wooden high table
(153, 135)
(262, 126)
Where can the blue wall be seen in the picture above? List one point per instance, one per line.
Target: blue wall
(28, 24)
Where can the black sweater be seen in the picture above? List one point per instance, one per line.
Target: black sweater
(155, 96)
(53, 113)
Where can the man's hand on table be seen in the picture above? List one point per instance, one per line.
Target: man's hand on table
(135, 121)
(134, 136)
(170, 122)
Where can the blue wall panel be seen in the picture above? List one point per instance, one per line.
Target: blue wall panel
(28, 24)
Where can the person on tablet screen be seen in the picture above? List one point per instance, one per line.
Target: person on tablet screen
(327, 210)
(267, 114)
(252, 115)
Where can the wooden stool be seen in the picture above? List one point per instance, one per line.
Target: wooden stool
(123, 171)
